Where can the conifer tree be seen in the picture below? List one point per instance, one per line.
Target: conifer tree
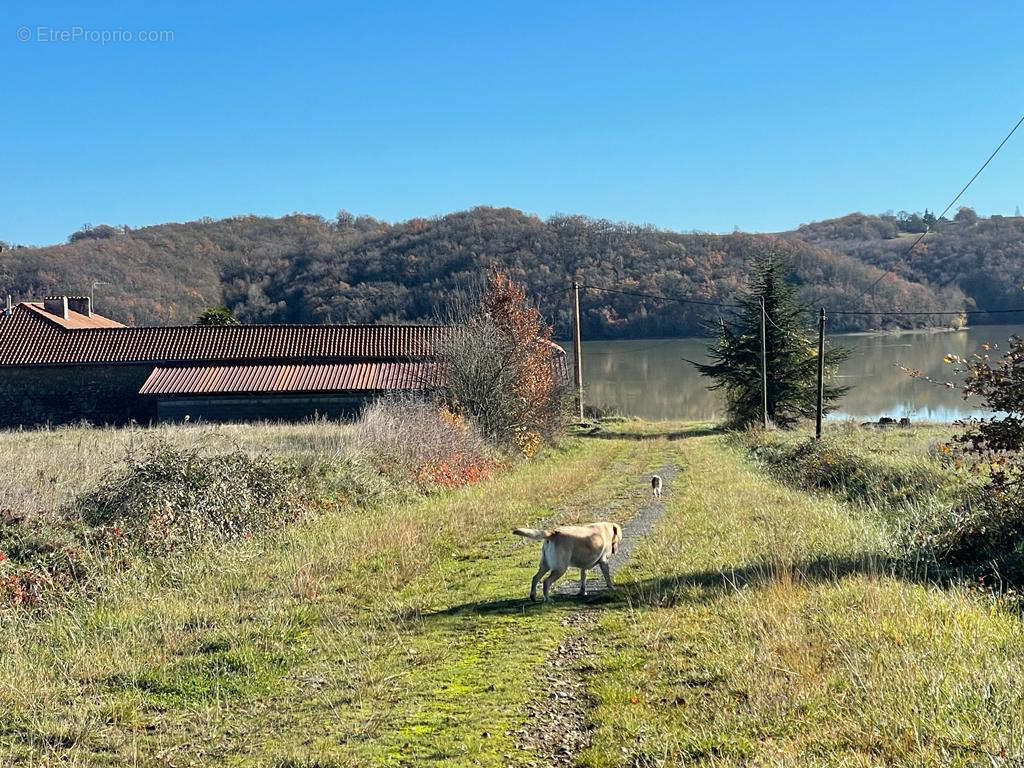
(217, 316)
(792, 354)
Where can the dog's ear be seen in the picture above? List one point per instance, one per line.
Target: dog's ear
(616, 537)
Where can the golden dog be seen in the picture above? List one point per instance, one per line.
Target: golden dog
(573, 546)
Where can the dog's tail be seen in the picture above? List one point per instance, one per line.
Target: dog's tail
(532, 533)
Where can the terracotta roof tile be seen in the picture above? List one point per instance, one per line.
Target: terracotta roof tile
(75, 319)
(28, 338)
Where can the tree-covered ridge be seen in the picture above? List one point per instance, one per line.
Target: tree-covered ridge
(302, 268)
(968, 261)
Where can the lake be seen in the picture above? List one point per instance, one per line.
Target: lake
(650, 378)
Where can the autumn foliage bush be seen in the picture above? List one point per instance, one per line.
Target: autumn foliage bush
(499, 368)
(992, 530)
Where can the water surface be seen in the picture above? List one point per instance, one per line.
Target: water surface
(651, 378)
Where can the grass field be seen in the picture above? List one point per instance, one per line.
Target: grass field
(47, 467)
(759, 623)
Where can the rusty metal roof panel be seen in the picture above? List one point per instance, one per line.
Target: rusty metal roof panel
(276, 379)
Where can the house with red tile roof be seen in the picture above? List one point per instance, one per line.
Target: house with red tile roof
(61, 362)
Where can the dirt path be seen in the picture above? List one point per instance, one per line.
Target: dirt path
(558, 728)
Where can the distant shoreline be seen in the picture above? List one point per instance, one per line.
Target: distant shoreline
(567, 343)
(905, 331)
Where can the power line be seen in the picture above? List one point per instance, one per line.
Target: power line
(704, 302)
(790, 334)
(921, 312)
(951, 204)
(658, 297)
(545, 294)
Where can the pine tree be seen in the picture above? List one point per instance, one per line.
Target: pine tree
(792, 354)
(217, 316)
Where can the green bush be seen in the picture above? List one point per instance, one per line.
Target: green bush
(978, 533)
(936, 509)
(166, 496)
(830, 465)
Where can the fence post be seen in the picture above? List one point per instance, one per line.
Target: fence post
(577, 347)
(821, 373)
(764, 369)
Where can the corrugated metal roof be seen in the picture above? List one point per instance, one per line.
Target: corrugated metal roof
(256, 379)
(26, 338)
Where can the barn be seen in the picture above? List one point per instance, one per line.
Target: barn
(61, 362)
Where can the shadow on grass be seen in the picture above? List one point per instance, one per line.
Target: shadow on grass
(708, 585)
(668, 434)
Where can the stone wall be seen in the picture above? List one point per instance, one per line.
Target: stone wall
(37, 395)
(261, 407)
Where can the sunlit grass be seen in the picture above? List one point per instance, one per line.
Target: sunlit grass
(767, 629)
(759, 624)
(333, 639)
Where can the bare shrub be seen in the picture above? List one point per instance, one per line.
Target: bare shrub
(500, 368)
(413, 439)
(156, 499)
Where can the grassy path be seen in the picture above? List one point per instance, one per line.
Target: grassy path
(750, 628)
(559, 723)
(757, 631)
(393, 636)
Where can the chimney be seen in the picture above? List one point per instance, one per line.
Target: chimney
(10, 309)
(80, 304)
(56, 305)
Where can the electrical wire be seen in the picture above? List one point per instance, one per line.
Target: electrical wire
(552, 292)
(790, 334)
(702, 302)
(952, 202)
(921, 312)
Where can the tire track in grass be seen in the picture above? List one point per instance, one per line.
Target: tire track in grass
(558, 727)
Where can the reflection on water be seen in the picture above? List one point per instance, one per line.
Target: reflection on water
(651, 378)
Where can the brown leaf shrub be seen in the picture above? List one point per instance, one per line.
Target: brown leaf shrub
(500, 369)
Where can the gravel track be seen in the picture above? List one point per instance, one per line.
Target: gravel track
(633, 532)
(559, 727)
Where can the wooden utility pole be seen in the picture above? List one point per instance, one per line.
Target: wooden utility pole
(764, 367)
(821, 373)
(576, 347)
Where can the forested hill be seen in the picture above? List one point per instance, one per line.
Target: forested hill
(305, 269)
(983, 258)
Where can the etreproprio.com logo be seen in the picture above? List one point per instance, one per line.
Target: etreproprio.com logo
(77, 34)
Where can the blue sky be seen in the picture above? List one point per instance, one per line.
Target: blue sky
(702, 116)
